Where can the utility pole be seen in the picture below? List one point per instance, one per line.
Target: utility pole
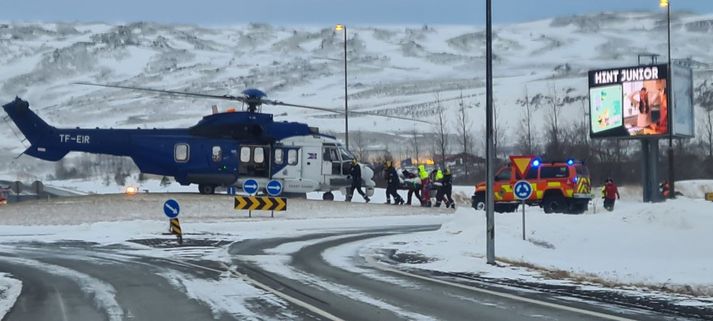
(489, 139)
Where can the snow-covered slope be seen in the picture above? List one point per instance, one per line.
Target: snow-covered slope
(391, 69)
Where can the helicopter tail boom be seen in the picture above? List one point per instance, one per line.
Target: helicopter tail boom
(35, 130)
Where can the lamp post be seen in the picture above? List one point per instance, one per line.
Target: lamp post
(489, 139)
(340, 27)
(671, 176)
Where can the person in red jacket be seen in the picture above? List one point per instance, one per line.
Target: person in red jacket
(611, 194)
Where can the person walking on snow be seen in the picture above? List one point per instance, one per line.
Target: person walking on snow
(611, 194)
(425, 186)
(355, 173)
(392, 183)
(414, 186)
(446, 189)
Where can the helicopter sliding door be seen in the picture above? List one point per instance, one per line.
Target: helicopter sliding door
(254, 161)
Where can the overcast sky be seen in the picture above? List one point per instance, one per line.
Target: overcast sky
(316, 12)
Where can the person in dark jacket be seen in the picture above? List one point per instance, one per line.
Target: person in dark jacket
(355, 174)
(611, 194)
(445, 191)
(392, 183)
(413, 183)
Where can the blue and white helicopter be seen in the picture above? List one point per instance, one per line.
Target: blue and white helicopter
(222, 149)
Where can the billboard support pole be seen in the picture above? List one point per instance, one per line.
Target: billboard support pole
(669, 89)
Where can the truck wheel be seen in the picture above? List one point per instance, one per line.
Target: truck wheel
(502, 208)
(328, 196)
(478, 201)
(554, 204)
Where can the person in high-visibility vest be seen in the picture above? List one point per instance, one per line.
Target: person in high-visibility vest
(425, 186)
(445, 188)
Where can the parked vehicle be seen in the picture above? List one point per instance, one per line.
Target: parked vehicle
(558, 187)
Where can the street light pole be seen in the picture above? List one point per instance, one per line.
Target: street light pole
(489, 145)
(346, 108)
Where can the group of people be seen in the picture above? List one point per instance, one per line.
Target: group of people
(419, 184)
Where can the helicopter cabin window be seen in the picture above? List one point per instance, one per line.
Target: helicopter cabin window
(259, 155)
(292, 157)
(180, 153)
(244, 154)
(279, 156)
(216, 154)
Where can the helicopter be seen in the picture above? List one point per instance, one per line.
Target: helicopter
(223, 149)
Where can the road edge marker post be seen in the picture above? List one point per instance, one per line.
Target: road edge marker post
(176, 229)
(171, 209)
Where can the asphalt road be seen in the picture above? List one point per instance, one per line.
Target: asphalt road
(83, 281)
(362, 297)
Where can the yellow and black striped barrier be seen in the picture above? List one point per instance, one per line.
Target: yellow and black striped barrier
(260, 203)
(176, 229)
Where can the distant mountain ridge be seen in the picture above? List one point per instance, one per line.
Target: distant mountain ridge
(392, 70)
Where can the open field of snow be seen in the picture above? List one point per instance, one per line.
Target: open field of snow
(663, 245)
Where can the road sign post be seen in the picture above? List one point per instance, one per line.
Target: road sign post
(274, 188)
(523, 191)
(250, 186)
(171, 208)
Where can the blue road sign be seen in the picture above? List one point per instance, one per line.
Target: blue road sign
(250, 186)
(171, 208)
(274, 188)
(522, 190)
(232, 190)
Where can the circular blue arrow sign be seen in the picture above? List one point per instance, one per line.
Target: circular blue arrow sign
(274, 188)
(250, 186)
(522, 190)
(171, 208)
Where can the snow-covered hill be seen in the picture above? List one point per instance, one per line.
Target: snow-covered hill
(392, 70)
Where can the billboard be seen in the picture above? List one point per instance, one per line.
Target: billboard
(683, 117)
(629, 102)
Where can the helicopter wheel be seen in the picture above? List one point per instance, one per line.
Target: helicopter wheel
(206, 189)
(328, 196)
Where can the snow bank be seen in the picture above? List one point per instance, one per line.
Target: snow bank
(694, 188)
(9, 291)
(666, 244)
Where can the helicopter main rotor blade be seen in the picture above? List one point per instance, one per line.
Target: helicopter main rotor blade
(366, 113)
(169, 92)
(280, 103)
(341, 112)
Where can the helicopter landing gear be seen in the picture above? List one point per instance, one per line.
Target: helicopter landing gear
(206, 189)
(328, 196)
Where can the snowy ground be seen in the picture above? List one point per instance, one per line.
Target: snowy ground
(648, 248)
(9, 291)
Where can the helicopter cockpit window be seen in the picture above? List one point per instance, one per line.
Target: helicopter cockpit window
(346, 155)
(292, 157)
(279, 156)
(180, 153)
(245, 154)
(216, 154)
(259, 155)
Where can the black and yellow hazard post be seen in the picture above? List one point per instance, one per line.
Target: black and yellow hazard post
(260, 203)
(176, 229)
